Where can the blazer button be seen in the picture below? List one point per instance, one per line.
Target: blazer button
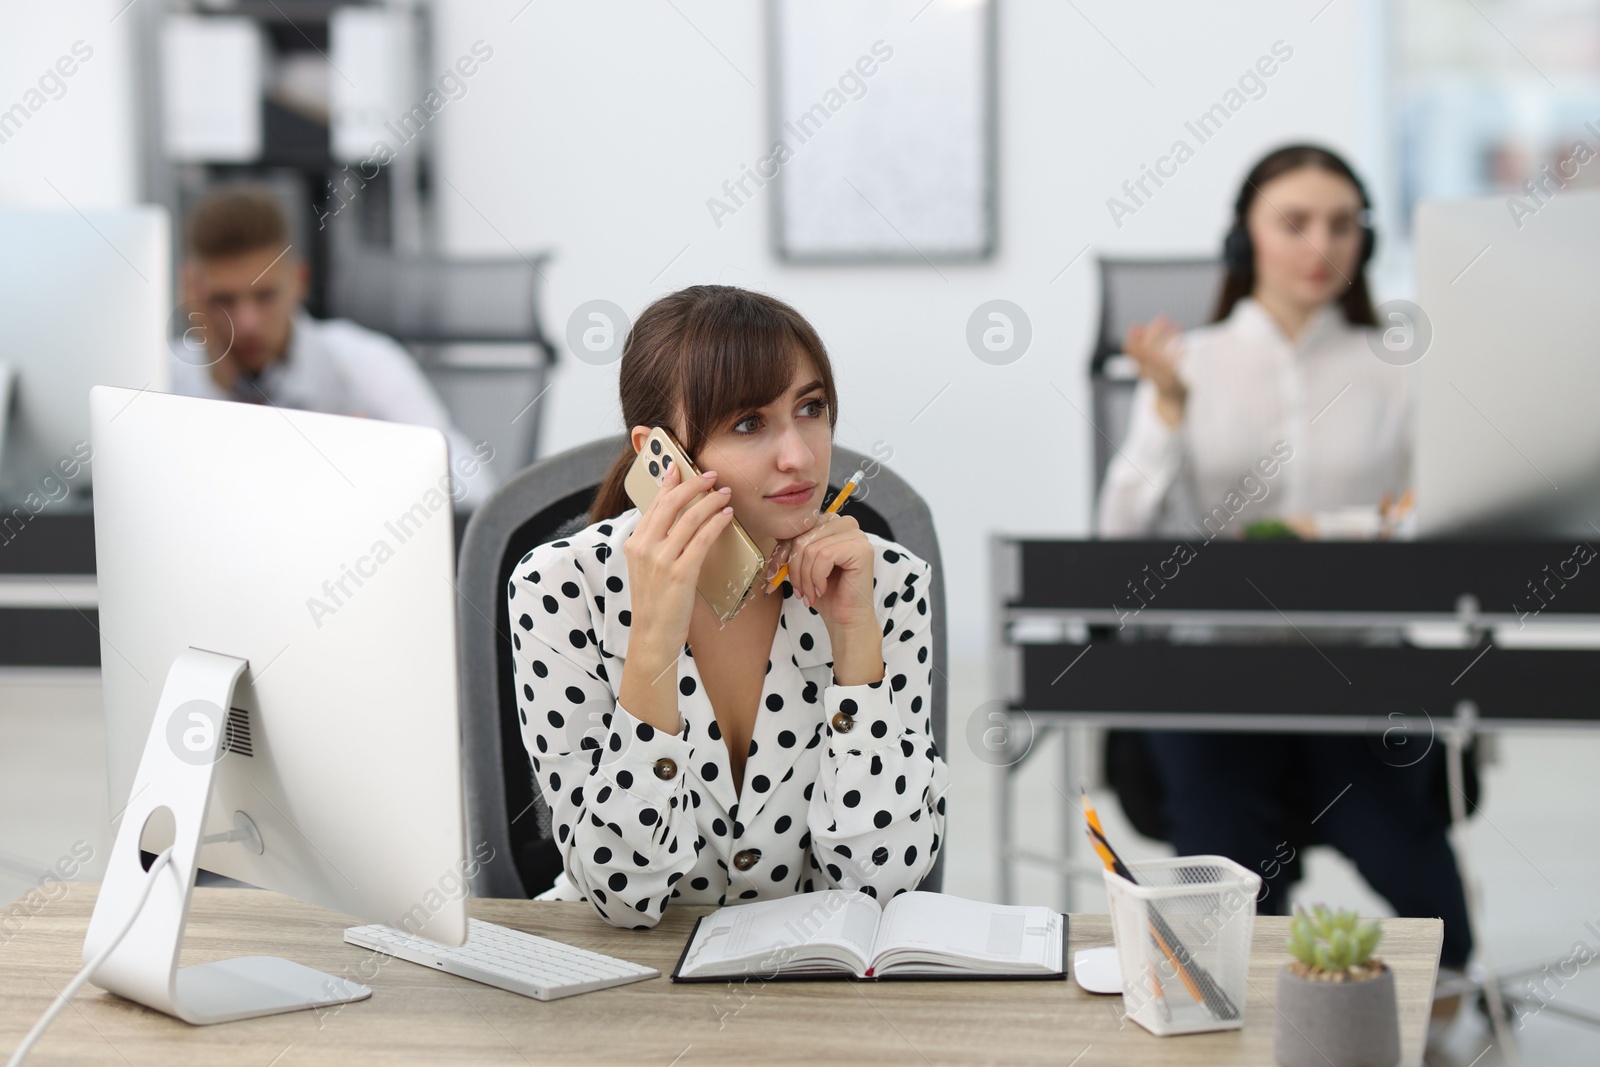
(665, 768)
(746, 858)
(842, 722)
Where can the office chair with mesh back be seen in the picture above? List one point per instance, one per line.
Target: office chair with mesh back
(1137, 290)
(1134, 291)
(436, 306)
(542, 503)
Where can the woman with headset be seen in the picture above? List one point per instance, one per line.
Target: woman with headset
(1283, 380)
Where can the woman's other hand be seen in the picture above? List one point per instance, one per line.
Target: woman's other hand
(1153, 348)
(830, 568)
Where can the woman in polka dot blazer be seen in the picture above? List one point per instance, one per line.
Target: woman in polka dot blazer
(787, 750)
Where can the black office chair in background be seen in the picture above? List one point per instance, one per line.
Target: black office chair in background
(1134, 290)
(543, 503)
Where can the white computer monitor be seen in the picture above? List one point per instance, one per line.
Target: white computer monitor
(85, 299)
(1509, 422)
(278, 656)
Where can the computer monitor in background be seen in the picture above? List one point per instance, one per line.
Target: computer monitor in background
(1509, 425)
(84, 300)
(278, 657)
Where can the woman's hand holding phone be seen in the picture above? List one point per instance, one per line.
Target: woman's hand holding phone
(830, 568)
(665, 553)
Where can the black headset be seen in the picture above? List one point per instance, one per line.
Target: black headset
(1239, 255)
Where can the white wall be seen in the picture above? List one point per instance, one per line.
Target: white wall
(600, 129)
(85, 143)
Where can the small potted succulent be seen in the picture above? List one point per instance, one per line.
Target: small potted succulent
(1336, 1002)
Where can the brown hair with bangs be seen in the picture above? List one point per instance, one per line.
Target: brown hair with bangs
(710, 354)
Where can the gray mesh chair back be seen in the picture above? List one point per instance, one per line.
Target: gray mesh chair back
(446, 311)
(542, 503)
(1137, 290)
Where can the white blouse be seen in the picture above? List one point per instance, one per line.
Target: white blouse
(843, 786)
(1343, 417)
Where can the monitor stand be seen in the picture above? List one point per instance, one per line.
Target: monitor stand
(176, 771)
(8, 388)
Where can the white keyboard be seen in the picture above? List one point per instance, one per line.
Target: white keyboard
(507, 959)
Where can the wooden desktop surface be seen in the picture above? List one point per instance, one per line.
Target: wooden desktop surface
(420, 1016)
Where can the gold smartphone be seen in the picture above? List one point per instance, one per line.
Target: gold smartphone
(732, 572)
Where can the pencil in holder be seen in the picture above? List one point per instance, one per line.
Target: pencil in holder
(1183, 942)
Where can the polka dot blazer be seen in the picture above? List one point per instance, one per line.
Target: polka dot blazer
(843, 785)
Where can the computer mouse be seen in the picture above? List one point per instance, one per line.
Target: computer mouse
(1097, 970)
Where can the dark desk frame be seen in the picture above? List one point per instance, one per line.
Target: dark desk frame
(1151, 634)
(49, 614)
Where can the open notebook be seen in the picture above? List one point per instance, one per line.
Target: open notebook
(836, 933)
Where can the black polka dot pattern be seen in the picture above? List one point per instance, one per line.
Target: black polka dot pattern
(643, 817)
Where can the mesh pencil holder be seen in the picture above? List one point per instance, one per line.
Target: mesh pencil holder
(1183, 942)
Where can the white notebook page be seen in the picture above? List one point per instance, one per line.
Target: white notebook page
(969, 927)
(773, 929)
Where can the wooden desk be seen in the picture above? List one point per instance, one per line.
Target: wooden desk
(418, 1016)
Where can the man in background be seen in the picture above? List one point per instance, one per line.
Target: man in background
(248, 338)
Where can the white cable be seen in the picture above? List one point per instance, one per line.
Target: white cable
(1453, 745)
(89, 968)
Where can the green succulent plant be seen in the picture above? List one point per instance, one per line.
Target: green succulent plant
(1270, 530)
(1331, 942)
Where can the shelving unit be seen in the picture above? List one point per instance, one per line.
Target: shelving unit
(376, 219)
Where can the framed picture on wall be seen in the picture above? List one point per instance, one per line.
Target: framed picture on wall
(881, 130)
